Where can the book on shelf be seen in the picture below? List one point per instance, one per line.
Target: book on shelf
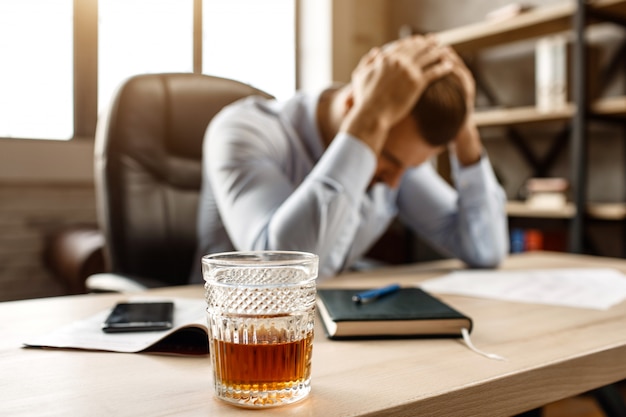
(551, 68)
(407, 313)
(188, 336)
(554, 73)
(546, 193)
(528, 240)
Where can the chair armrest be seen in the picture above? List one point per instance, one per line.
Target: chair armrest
(112, 282)
(74, 254)
(109, 282)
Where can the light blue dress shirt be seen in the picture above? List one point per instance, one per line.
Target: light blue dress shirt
(269, 184)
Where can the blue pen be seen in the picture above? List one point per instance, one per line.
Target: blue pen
(371, 295)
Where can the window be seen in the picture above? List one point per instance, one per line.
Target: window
(52, 87)
(142, 36)
(251, 41)
(36, 73)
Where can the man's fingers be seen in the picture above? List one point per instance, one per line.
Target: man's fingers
(417, 51)
(430, 56)
(411, 47)
(370, 56)
(454, 57)
(437, 71)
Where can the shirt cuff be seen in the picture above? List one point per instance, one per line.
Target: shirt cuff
(347, 164)
(475, 180)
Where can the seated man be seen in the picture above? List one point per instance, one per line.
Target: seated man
(327, 173)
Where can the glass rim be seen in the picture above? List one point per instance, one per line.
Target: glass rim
(235, 257)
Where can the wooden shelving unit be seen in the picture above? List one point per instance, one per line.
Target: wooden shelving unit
(600, 211)
(538, 22)
(574, 17)
(521, 209)
(612, 106)
(607, 211)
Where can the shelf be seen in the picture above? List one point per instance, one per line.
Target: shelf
(537, 22)
(520, 115)
(607, 211)
(521, 209)
(598, 211)
(527, 26)
(612, 106)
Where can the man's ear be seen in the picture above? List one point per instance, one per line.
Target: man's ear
(348, 102)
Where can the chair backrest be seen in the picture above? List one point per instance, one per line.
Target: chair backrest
(148, 173)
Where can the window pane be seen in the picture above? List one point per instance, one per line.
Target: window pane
(251, 41)
(142, 36)
(36, 74)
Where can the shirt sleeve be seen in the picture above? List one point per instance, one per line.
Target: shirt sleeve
(264, 207)
(323, 213)
(468, 222)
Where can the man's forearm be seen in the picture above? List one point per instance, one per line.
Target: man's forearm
(367, 129)
(467, 145)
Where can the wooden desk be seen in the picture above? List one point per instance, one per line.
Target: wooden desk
(553, 352)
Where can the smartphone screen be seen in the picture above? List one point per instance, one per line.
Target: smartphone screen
(139, 317)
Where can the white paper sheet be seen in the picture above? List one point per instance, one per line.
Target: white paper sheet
(88, 334)
(577, 287)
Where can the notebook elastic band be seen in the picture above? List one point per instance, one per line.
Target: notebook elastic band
(470, 345)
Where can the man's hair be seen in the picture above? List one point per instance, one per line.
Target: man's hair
(441, 110)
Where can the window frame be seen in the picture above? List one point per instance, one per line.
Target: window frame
(85, 68)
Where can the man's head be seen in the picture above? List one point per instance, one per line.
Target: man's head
(420, 94)
(441, 110)
(434, 122)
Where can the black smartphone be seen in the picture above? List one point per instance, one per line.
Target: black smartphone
(139, 317)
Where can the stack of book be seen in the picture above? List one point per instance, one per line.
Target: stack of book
(546, 193)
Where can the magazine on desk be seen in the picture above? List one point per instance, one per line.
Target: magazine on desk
(188, 335)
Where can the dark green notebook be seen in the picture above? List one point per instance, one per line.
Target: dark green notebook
(409, 312)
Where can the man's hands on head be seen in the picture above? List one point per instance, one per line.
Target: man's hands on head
(467, 145)
(464, 74)
(387, 83)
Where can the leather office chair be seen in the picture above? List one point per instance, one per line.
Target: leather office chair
(148, 174)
